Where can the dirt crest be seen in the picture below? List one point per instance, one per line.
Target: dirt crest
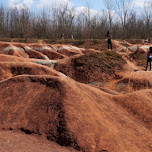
(134, 81)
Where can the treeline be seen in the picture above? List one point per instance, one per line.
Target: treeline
(65, 22)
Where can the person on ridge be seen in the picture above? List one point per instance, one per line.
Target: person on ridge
(149, 58)
(109, 36)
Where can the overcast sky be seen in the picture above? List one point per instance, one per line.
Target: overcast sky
(94, 5)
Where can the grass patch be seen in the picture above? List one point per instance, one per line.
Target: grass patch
(105, 61)
(99, 66)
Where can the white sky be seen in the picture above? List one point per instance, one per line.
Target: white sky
(80, 5)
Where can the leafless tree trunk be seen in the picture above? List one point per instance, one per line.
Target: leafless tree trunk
(148, 17)
(110, 11)
(52, 23)
(25, 23)
(2, 15)
(123, 8)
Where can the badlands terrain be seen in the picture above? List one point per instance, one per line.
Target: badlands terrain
(62, 98)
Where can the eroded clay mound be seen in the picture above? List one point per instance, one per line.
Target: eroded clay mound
(135, 81)
(47, 50)
(33, 53)
(71, 114)
(52, 55)
(11, 49)
(39, 51)
(11, 69)
(69, 50)
(56, 51)
(128, 49)
(10, 58)
(139, 104)
(92, 67)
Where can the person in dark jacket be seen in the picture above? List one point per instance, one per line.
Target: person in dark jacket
(109, 36)
(149, 58)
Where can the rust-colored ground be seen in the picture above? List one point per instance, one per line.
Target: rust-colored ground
(12, 141)
(42, 107)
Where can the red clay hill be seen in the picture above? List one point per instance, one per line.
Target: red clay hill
(61, 98)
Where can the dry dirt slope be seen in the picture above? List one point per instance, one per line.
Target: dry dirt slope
(39, 100)
(11, 141)
(71, 114)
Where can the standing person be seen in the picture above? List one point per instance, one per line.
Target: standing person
(109, 36)
(62, 36)
(149, 58)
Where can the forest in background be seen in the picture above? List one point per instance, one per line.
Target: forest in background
(53, 22)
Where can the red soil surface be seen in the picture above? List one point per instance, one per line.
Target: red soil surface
(56, 111)
(12, 141)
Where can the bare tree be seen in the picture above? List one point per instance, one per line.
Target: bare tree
(123, 8)
(25, 23)
(2, 16)
(14, 23)
(88, 20)
(110, 11)
(79, 26)
(131, 26)
(54, 14)
(63, 19)
(148, 17)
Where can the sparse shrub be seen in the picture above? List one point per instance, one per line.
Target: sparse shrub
(99, 65)
(104, 60)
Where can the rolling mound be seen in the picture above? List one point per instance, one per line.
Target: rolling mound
(135, 81)
(38, 51)
(83, 65)
(34, 54)
(9, 58)
(139, 104)
(10, 49)
(49, 51)
(91, 67)
(57, 111)
(9, 69)
(71, 114)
